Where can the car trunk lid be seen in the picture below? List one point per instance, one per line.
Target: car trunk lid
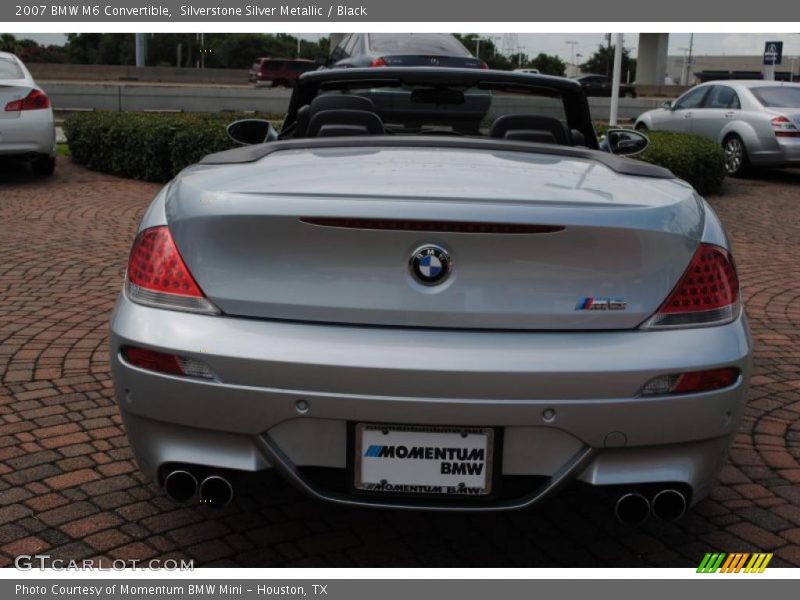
(536, 242)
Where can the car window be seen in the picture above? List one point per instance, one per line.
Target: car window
(416, 43)
(778, 96)
(9, 69)
(691, 99)
(350, 45)
(338, 52)
(721, 96)
(272, 65)
(298, 66)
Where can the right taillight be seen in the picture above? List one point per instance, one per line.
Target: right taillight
(783, 127)
(707, 293)
(157, 275)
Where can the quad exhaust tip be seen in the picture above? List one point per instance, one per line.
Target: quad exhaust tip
(180, 486)
(669, 505)
(216, 491)
(632, 508)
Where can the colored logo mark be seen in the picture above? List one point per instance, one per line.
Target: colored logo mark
(720, 562)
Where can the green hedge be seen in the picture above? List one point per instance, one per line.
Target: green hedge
(696, 159)
(149, 146)
(155, 146)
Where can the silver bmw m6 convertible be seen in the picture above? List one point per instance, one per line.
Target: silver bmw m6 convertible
(433, 289)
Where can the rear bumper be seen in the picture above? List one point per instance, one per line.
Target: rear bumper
(784, 153)
(510, 380)
(33, 132)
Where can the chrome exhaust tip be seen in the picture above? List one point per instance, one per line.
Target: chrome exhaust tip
(216, 491)
(669, 505)
(632, 508)
(180, 486)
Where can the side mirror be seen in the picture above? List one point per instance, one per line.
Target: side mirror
(667, 104)
(252, 131)
(624, 142)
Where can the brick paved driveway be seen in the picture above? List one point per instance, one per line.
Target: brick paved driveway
(68, 486)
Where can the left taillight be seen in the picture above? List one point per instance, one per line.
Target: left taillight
(35, 100)
(158, 277)
(707, 293)
(378, 62)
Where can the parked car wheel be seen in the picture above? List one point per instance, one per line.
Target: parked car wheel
(640, 127)
(736, 162)
(629, 94)
(281, 83)
(44, 166)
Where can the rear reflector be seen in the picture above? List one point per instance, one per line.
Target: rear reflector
(691, 382)
(169, 364)
(437, 226)
(707, 293)
(157, 275)
(36, 100)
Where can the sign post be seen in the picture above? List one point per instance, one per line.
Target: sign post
(773, 54)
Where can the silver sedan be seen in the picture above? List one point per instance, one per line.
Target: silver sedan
(27, 129)
(756, 122)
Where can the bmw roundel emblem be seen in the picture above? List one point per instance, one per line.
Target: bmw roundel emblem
(430, 264)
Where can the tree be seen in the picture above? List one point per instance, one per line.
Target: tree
(548, 64)
(602, 62)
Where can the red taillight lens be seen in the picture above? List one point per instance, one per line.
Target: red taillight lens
(157, 275)
(483, 65)
(707, 293)
(693, 381)
(169, 364)
(34, 101)
(783, 127)
(378, 62)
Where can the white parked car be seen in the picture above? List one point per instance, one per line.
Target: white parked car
(27, 129)
(756, 122)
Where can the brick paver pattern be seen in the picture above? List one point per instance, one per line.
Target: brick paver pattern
(69, 486)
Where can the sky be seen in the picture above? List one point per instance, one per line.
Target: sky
(556, 43)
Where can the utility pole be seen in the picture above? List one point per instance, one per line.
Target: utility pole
(141, 49)
(615, 80)
(298, 45)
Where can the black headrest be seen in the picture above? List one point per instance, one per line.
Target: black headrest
(531, 135)
(344, 122)
(506, 123)
(341, 102)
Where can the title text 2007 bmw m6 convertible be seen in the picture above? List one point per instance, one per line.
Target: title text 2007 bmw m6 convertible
(432, 290)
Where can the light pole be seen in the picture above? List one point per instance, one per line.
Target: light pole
(572, 44)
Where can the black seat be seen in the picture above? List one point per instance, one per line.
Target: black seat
(330, 123)
(530, 128)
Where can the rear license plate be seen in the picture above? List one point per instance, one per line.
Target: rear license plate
(423, 460)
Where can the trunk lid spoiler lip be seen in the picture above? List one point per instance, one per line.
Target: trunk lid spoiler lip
(623, 166)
